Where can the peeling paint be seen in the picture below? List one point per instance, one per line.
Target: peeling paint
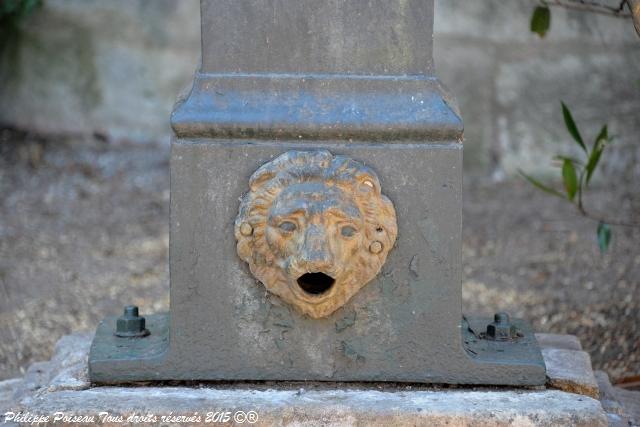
(346, 322)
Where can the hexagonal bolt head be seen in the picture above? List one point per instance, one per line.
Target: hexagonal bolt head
(501, 329)
(131, 324)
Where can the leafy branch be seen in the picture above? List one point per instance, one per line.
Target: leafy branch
(592, 6)
(541, 17)
(577, 174)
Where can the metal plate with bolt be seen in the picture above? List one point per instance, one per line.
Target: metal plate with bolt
(316, 211)
(131, 324)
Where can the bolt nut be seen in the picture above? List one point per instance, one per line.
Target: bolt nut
(131, 324)
(501, 317)
(376, 247)
(246, 229)
(501, 329)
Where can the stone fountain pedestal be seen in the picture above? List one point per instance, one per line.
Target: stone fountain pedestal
(316, 212)
(60, 388)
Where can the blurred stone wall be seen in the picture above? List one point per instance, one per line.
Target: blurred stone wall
(115, 67)
(509, 83)
(109, 66)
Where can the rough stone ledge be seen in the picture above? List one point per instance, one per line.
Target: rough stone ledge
(563, 341)
(61, 385)
(335, 407)
(622, 406)
(570, 371)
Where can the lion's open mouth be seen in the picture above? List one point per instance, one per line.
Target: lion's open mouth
(315, 283)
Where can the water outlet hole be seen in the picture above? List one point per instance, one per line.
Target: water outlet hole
(315, 283)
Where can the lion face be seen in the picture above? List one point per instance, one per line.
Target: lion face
(314, 229)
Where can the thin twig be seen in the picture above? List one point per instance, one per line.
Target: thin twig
(610, 221)
(601, 218)
(596, 217)
(591, 6)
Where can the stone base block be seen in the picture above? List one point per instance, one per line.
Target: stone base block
(60, 388)
(404, 325)
(326, 406)
(560, 341)
(571, 371)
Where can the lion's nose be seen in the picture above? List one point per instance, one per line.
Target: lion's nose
(315, 251)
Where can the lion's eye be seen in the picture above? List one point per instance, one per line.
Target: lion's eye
(348, 231)
(288, 226)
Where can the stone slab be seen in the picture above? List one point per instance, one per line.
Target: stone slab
(333, 407)
(562, 341)
(616, 413)
(7, 393)
(630, 401)
(571, 371)
(291, 403)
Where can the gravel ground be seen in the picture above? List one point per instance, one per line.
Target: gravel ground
(84, 231)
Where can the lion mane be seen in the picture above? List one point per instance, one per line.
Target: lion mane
(356, 182)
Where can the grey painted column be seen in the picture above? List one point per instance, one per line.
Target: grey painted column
(317, 69)
(356, 78)
(377, 37)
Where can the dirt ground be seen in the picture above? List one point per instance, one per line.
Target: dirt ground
(84, 231)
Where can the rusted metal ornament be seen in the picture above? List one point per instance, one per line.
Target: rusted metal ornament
(315, 228)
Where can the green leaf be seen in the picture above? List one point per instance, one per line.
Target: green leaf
(604, 236)
(540, 185)
(541, 20)
(596, 152)
(570, 179)
(16, 10)
(9, 6)
(571, 126)
(571, 159)
(602, 136)
(593, 162)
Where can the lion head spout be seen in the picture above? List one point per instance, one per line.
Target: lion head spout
(315, 228)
